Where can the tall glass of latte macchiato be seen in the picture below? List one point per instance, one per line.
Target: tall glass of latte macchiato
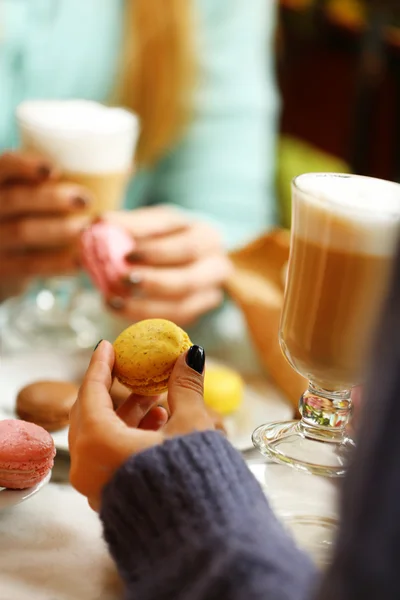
(91, 145)
(345, 230)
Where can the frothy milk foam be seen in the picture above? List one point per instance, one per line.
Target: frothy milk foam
(348, 213)
(91, 144)
(80, 135)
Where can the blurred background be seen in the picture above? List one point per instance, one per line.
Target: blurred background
(339, 78)
(201, 77)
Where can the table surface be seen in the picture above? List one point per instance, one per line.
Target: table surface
(51, 546)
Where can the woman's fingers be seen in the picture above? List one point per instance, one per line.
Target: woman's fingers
(43, 232)
(134, 409)
(177, 248)
(119, 393)
(49, 197)
(182, 312)
(151, 221)
(94, 400)
(94, 395)
(155, 419)
(166, 283)
(21, 166)
(186, 395)
(99, 441)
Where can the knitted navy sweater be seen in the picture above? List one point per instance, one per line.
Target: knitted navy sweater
(187, 520)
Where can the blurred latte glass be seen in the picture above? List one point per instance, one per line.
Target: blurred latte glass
(91, 145)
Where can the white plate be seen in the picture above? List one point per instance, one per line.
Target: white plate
(261, 403)
(16, 371)
(12, 497)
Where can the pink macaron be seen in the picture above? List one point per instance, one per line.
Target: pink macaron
(104, 248)
(26, 454)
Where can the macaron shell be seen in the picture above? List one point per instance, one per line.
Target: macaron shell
(112, 249)
(19, 440)
(47, 403)
(90, 262)
(223, 389)
(104, 247)
(146, 352)
(146, 388)
(26, 475)
(26, 454)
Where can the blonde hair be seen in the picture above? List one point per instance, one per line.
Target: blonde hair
(158, 72)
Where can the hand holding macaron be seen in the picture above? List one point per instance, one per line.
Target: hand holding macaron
(156, 262)
(102, 439)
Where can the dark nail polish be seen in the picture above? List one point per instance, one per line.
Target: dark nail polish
(133, 257)
(43, 171)
(195, 358)
(116, 303)
(80, 201)
(97, 345)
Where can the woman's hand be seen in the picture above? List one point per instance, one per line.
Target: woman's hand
(101, 440)
(178, 267)
(40, 218)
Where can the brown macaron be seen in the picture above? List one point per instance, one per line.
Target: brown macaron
(47, 403)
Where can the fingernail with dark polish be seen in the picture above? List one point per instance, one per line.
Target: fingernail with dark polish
(116, 303)
(97, 345)
(133, 257)
(195, 358)
(43, 171)
(80, 201)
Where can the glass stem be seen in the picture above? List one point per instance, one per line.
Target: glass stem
(324, 414)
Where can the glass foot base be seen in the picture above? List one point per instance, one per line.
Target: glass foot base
(287, 443)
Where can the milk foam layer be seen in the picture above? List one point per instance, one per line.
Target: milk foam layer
(79, 135)
(349, 213)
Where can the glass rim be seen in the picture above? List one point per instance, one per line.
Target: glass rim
(337, 202)
(76, 134)
(128, 125)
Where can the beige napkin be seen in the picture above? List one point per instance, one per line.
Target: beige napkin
(257, 286)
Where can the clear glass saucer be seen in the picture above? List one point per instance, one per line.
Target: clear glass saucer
(288, 443)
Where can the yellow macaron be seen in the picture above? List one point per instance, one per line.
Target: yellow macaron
(223, 389)
(145, 355)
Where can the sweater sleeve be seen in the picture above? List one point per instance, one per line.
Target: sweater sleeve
(187, 520)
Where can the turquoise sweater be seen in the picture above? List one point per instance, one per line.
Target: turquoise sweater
(223, 167)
